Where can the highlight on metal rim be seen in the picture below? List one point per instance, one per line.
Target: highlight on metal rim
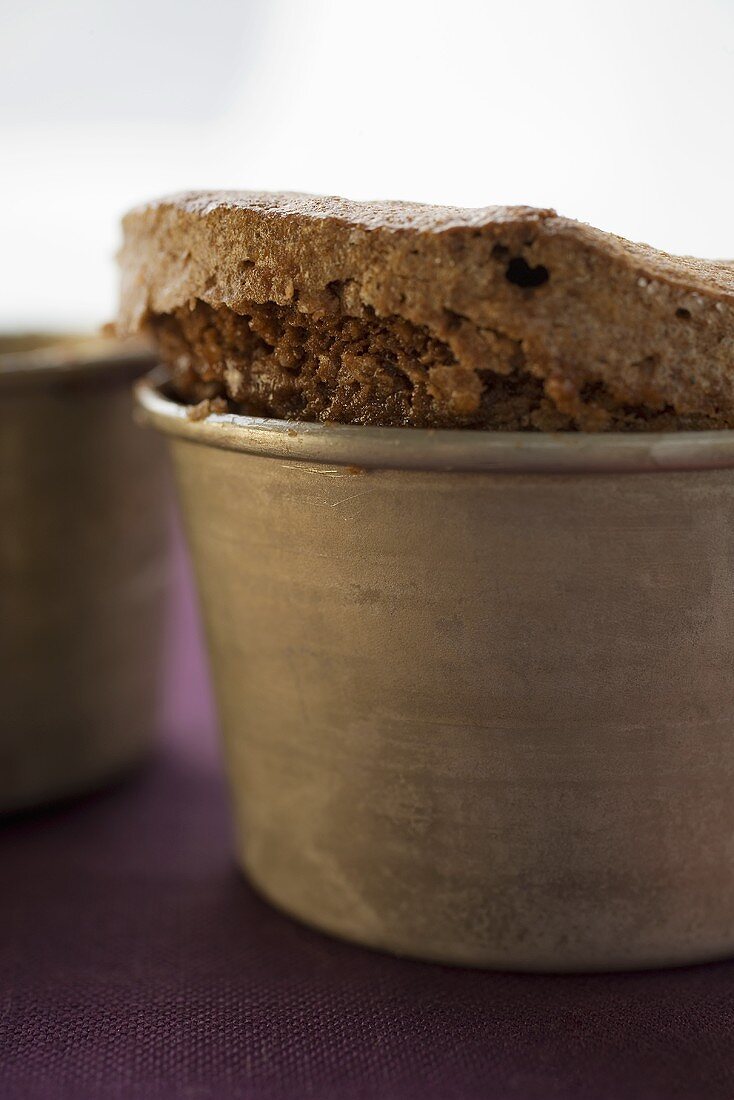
(437, 449)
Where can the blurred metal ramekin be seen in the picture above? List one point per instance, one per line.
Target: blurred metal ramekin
(83, 556)
(477, 689)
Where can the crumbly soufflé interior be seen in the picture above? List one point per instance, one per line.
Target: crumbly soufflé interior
(504, 318)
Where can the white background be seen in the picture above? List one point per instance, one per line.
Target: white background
(619, 113)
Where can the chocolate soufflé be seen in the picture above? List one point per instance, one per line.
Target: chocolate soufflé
(398, 314)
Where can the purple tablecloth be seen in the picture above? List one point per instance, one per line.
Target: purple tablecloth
(135, 962)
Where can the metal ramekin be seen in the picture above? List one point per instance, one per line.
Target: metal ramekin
(83, 556)
(475, 688)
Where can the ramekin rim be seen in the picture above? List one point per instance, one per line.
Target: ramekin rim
(440, 449)
(62, 356)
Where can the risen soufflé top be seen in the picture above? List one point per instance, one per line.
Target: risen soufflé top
(387, 313)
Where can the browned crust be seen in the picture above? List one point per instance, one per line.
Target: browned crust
(595, 331)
